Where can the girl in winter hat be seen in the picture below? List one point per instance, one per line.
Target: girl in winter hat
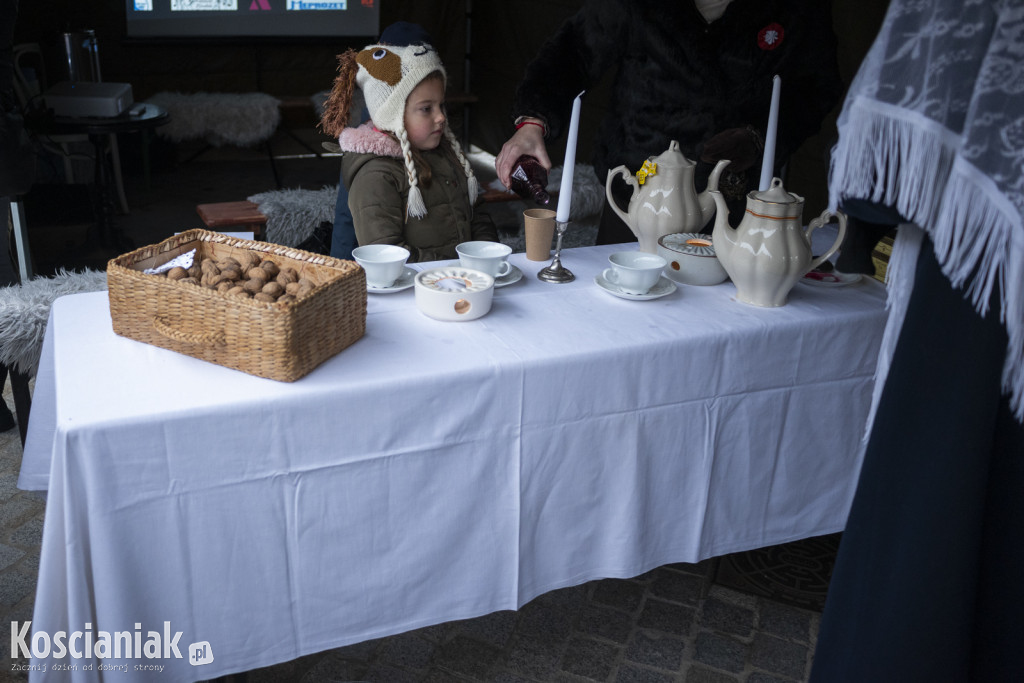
(409, 182)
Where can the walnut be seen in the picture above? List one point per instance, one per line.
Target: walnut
(248, 259)
(252, 286)
(287, 275)
(208, 267)
(272, 268)
(232, 274)
(258, 274)
(274, 289)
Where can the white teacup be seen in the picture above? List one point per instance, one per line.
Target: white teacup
(383, 263)
(488, 257)
(634, 272)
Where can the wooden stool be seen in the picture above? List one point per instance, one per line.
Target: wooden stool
(233, 217)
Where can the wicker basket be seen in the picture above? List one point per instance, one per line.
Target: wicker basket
(279, 340)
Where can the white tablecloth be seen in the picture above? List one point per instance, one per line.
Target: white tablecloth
(435, 471)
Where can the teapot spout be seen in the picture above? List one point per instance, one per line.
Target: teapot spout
(722, 236)
(707, 201)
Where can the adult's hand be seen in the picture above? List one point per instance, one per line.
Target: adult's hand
(527, 140)
(742, 146)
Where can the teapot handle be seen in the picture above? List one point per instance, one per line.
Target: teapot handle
(826, 217)
(630, 180)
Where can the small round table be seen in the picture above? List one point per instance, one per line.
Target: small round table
(140, 117)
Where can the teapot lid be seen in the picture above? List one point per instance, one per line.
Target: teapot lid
(672, 157)
(776, 194)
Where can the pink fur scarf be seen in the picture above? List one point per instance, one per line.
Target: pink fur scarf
(368, 140)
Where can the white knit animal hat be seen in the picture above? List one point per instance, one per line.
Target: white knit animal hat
(387, 74)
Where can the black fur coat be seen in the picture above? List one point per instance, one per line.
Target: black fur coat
(677, 77)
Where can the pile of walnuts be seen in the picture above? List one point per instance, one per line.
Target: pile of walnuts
(247, 276)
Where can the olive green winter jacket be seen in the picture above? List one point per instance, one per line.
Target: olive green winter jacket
(374, 172)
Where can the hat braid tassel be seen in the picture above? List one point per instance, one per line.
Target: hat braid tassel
(414, 204)
(417, 209)
(471, 181)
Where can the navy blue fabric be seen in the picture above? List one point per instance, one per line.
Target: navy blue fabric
(927, 583)
(405, 33)
(343, 237)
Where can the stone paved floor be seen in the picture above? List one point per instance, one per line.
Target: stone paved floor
(655, 628)
(673, 624)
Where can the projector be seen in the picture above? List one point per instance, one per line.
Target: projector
(81, 99)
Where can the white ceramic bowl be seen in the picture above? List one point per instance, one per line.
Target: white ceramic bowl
(691, 259)
(454, 293)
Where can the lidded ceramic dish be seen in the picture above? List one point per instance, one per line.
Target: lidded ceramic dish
(691, 259)
(454, 293)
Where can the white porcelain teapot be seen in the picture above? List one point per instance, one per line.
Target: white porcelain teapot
(770, 250)
(667, 202)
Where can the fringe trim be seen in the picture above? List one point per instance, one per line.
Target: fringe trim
(902, 159)
(899, 281)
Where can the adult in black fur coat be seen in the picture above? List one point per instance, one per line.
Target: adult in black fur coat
(679, 76)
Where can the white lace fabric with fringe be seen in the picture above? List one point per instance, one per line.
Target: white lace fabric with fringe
(933, 125)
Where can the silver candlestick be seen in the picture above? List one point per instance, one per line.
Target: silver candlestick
(555, 272)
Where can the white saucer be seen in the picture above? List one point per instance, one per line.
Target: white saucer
(406, 280)
(513, 276)
(662, 287)
(833, 279)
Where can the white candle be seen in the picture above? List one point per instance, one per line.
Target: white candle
(768, 163)
(569, 165)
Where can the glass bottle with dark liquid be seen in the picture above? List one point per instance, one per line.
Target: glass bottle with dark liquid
(529, 179)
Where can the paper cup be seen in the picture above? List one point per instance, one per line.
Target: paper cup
(540, 230)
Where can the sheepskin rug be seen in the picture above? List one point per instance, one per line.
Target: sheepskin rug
(293, 215)
(238, 119)
(587, 191)
(25, 309)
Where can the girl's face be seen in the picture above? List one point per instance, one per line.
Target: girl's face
(424, 114)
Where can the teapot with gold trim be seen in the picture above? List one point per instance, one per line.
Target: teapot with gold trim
(770, 250)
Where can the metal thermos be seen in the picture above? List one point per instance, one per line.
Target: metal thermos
(81, 56)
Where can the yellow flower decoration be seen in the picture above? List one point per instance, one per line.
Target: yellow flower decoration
(649, 168)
